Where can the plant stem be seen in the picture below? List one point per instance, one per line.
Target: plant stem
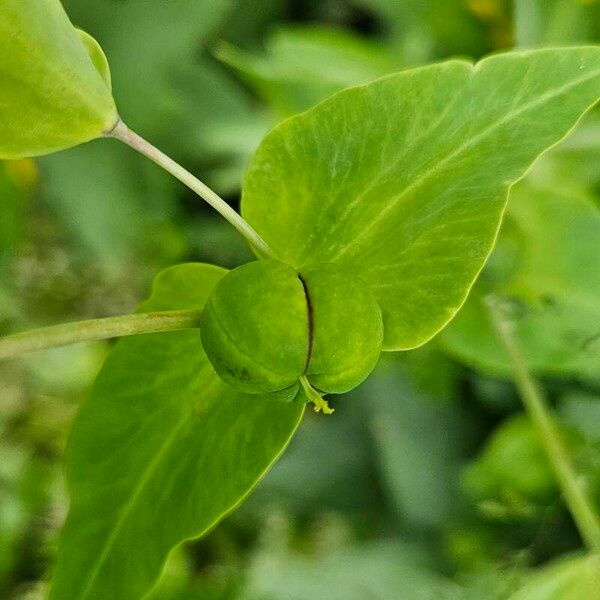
(320, 404)
(96, 329)
(129, 137)
(536, 405)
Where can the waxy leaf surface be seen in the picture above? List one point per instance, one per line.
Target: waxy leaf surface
(160, 452)
(544, 269)
(54, 81)
(404, 181)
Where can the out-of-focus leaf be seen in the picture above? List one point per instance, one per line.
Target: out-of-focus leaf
(498, 485)
(112, 202)
(546, 22)
(12, 210)
(219, 126)
(565, 579)
(426, 29)
(304, 65)
(404, 181)
(250, 20)
(544, 267)
(420, 436)
(24, 489)
(582, 410)
(338, 478)
(160, 452)
(574, 163)
(179, 582)
(16, 181)
(385, 571)
(491, 583)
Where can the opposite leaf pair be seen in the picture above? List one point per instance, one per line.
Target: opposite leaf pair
(401, 184)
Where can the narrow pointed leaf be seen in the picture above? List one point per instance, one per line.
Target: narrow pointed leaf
(405, 180)
(159, 453)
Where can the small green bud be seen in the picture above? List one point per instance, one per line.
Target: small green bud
(54, 81)
(265, 326)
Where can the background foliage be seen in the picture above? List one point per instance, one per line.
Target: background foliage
(414, 488)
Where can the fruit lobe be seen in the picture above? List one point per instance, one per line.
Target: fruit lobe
(255, 327)
(346, 329)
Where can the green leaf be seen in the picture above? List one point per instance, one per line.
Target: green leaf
(382, 571)
(53, 95)
(422, 29)
(420, 440)
(12, 213)
(581, 410)
(109, 200)
(493, 481)
(98, 57)
(543, 266)
(160, 452)
(546, 22)
(404, 181)
(573, 578)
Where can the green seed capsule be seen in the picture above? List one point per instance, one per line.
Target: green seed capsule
(265, 325)
(255, 327)
(346, 329)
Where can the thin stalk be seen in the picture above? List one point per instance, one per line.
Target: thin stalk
(18, 344)
(536, 405)
(320, 404)
(132, 139)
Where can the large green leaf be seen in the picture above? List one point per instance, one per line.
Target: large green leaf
(55, 90)
(405, 180)
(160, 452)
(544, 267)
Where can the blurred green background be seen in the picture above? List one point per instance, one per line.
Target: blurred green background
(428, 482)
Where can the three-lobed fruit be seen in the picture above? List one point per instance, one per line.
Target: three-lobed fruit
(266, 325)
